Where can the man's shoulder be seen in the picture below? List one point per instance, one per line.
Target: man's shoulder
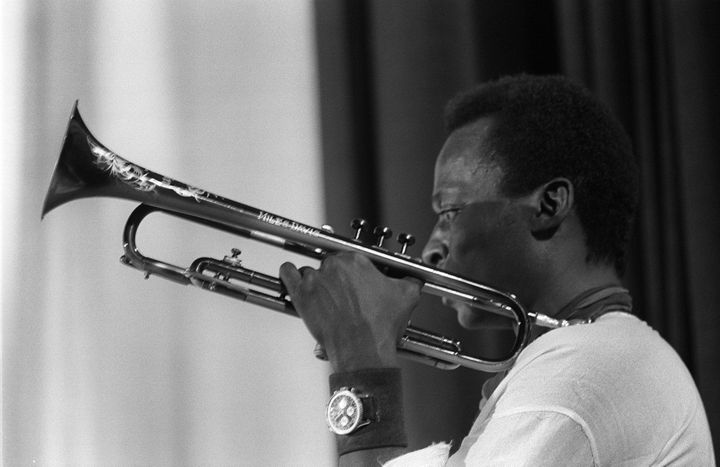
(615, 336)
(616, 375)
(597, 364)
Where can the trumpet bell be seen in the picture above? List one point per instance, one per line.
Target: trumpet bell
(73, 177)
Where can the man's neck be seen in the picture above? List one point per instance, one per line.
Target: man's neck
(568, 283)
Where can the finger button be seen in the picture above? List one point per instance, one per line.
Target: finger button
(381, 233)
(358, 225)
(406, 240)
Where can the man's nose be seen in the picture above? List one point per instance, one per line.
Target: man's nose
(435, 251)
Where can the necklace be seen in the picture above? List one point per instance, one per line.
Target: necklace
(586, 308)
(593, 303)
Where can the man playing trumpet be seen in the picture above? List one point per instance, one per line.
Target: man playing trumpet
(535, 191)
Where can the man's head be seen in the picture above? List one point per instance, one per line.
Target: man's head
(533, 143)
(548, 127)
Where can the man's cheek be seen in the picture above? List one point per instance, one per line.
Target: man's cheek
(464, 241)
(467, 263)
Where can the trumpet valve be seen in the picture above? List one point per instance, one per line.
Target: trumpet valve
(234, 258)
(406, 240)
(381, 233)
(358, 225)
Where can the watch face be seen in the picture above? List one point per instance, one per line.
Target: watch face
(344, 412)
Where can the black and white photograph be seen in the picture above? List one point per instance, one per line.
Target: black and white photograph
(359, 232)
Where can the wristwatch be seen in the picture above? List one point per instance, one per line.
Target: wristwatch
(348, 410)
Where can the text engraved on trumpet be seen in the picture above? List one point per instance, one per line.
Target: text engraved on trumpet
(136, 176)
(287, 224)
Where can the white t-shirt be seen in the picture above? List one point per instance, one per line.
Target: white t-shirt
(608, 393)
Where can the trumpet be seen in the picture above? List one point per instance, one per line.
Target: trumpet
(86, 168)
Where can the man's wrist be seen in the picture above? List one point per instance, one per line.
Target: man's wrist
(358, 352)
(382, 390)
(348, 361)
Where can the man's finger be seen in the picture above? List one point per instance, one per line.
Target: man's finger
(290, 276)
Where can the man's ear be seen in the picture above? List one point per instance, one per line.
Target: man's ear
(553, 200)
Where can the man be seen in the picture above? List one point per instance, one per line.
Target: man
(535, 190)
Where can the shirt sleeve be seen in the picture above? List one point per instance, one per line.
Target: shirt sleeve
(531, 438)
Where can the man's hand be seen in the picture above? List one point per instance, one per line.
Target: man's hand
(353, 310)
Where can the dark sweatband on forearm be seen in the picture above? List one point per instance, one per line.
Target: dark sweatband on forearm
(382, 388)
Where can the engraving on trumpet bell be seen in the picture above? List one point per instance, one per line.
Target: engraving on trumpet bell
(136, 176)
(287, 224)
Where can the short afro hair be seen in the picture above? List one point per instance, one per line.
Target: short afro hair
(546, 127)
